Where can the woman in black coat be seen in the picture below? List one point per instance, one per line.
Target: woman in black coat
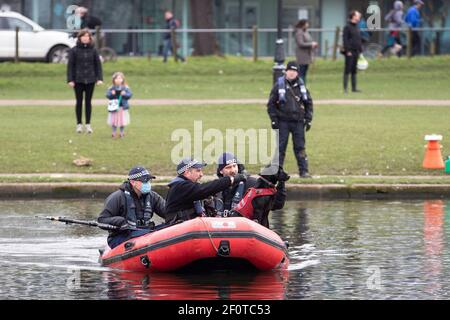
(84, 71)
(352, 48)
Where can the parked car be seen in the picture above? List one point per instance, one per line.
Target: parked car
(35, 43)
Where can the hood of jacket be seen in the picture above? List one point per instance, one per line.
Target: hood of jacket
(398, 5)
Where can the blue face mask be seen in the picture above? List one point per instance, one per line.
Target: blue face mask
(146, 187)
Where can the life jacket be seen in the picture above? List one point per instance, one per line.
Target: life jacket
(141, 221)
(237, 197)
(245, 206)
(282, 89)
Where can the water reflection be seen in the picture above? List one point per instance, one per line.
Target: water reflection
(338, 250)
(200, 286)
(433, 237)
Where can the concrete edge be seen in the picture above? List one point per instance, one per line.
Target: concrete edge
(93, 190)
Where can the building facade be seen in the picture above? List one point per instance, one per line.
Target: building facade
(228, 14)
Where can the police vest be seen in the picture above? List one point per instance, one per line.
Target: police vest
(245, 206)
(219, 201)
(135, 220)
(282, 89)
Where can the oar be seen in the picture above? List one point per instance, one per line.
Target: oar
(82, 222)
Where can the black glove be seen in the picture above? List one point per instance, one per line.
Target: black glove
(239, 178)
(307, 125)
(275, 125)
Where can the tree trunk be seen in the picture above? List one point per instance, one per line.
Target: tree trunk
(202, 18)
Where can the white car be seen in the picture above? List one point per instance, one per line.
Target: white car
(35, 43)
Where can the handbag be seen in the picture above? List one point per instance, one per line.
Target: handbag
(114, 104)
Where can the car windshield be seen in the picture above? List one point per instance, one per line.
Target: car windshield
(12, 23)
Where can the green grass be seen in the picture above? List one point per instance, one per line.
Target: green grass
(231, 77)
(344, 140)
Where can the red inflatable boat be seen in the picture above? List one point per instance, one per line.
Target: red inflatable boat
(218, 242)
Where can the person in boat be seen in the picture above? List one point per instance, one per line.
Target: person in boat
(185, 195)
(131, 208)
(271, 194)
(229, 166)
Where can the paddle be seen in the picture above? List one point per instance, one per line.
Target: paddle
(82, 222)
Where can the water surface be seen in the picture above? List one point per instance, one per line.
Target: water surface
(338, 249)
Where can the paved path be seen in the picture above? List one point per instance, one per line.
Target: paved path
(181, 102)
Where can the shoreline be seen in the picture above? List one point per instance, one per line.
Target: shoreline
(296, 192)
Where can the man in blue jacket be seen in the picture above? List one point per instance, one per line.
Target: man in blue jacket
(414, 20)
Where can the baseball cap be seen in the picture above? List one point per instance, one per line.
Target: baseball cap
(188, 163)
(292, 65)
(140, 173)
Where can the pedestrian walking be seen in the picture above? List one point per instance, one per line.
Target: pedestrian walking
(414, 20)
(395, 19)
(168, 45)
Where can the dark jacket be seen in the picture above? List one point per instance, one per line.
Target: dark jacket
(84, 65)
(226, 196)
(115, 209)
(124, 101)
(290, 110)
(171, 24)
(352, 38)
(90, 22)
(181, 196)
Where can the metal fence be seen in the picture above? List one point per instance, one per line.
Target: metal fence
(260, 42)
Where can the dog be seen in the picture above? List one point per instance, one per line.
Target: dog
(269, 193)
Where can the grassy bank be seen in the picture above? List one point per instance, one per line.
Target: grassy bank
(344, 140)
(231, 77)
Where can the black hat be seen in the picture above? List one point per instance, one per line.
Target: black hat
(292, 65)
(188, 163)
(224, 160)
(140, 173)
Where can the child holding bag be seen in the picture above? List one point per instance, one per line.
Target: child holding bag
(118, 115)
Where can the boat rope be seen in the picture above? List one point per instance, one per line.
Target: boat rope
(209, 235)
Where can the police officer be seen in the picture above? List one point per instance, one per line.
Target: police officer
(290, 109)
(229, 166)
(183, 201)
(131, 207)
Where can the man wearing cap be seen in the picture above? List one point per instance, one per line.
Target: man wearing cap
(183, 201)
(131, 207)
(414, 20)
(290, 109)
(229, 166)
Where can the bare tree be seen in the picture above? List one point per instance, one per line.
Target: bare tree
(202, 18)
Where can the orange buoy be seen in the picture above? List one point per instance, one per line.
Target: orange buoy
(433, 157)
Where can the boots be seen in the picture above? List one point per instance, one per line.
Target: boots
(345, 82)
(354, 83)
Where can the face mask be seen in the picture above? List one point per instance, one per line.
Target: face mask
(146, 188)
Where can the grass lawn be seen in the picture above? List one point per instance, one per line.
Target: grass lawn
(232, 77)
(344, 140)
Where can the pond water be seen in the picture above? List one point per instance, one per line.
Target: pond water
(338, 250)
